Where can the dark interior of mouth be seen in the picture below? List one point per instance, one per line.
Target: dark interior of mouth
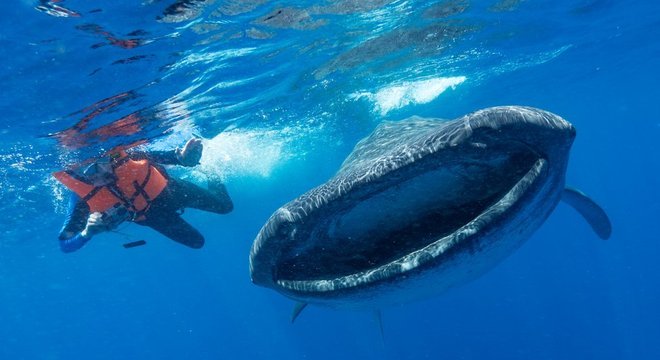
(402, 212)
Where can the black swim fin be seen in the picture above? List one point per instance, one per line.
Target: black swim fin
(133, 244)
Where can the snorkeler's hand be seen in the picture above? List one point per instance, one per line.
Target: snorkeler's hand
(191, 152)
(95, 225)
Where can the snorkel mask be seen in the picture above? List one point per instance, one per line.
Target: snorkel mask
(100, 172)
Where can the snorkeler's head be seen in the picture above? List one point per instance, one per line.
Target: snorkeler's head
(100, 172)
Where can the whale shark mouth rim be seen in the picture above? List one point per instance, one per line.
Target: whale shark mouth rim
(430, 252)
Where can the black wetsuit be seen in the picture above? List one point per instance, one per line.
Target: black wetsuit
(164, 214)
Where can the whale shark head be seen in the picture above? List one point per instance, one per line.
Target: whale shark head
(418, 206)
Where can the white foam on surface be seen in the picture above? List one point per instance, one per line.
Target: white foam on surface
(413, 92)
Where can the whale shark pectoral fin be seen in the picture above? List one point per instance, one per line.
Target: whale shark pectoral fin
(590, 211)
(297, 309)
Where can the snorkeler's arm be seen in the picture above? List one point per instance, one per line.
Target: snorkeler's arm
(167, 157)
(96, 223)
(79, 225)
(189, 155)
(74, 223)
(76, 217)
(73, 244)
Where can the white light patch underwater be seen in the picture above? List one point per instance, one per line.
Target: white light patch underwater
(237, 154)
(416, 92)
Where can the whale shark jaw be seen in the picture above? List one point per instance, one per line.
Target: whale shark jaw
(417, 199)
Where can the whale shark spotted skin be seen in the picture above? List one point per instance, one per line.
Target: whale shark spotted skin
(419, 206)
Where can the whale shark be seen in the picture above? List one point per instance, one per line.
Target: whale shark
(420, 206)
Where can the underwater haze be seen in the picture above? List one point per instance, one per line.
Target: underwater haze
(280, 92)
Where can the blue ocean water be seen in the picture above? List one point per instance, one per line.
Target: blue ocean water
(281, 91)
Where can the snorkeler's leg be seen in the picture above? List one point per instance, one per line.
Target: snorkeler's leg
(76, 217)
(216, 199)
(174, 227)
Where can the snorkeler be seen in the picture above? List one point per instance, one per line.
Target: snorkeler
(133, 186)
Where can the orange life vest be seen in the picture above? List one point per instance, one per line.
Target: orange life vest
(136, 184)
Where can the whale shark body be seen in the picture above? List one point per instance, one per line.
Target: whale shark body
(419, 206)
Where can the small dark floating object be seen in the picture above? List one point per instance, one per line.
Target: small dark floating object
(134, 244)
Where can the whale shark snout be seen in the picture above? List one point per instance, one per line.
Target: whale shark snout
(418, 206)
(545, 133)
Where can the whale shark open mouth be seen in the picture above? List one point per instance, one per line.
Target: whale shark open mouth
(408, 218)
